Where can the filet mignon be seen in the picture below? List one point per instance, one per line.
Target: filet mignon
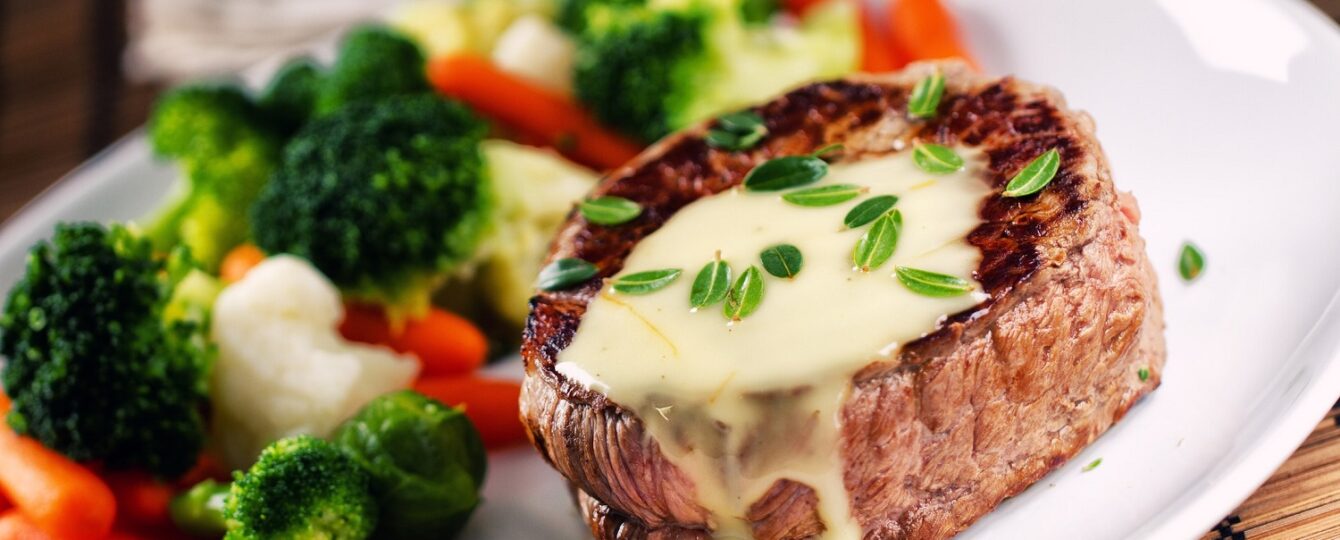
(1069, 339)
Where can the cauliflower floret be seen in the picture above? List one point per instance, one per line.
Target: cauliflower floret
(533, 192)
(283, 368)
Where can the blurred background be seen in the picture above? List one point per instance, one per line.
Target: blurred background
(75, 75)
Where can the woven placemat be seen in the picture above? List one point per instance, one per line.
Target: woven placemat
(1301, 500)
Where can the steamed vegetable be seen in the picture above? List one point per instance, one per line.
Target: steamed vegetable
(51, 494)
(444, 343)
(541, 114)
(533, 191)
(226, 147)
(107, 352)
(456, 26)
(283, 369)
(199, 511)
(374, 63)
(426, 462)
(289, 100)
(652, 69)
(301, 488)
(492, 405)
(382, 197)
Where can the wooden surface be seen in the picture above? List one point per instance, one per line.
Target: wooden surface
(62, 99)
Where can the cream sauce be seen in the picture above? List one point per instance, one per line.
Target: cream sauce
(738, 406)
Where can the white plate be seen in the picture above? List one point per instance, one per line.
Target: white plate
(1221, 115)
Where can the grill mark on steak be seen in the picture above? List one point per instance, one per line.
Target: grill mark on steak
(974, 412)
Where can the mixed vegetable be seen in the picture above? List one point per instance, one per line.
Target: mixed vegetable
(270, 354)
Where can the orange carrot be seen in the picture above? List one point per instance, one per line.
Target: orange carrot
(206, 468)
(140, 499)
(800, 7)
(62, 498)
(16, 526)
(925, 30)
(536, 110)
(239, 261)
(492, 405)
(446, 343)
(877, 52)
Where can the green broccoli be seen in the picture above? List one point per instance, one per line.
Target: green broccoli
(374, 63)
(652, 69)
(227, 150)
(572, 15)
(290, 98)
(426, 460)
(301, 488)
(383, 197)
(99, 367)
(199, 511)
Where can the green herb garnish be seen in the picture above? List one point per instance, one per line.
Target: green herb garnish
(737, 131)
(824, 195)
(925, 98)
(1191, 262)
(930, 283)
(1143, 373)
(868, 210)
(878, 243)
(1092, 465)
(610, 210)
(745, 295)
(936, 159)
(564, 273)
(823, 151)
(785, 173)
(645, 282)
(1034, 176)
(711, 284)
(782, 260)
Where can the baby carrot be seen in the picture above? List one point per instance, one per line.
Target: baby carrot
(16, 526)
(538, 111)
(492, 405)
(446, 343)
(59, 496)
(925, 30)
(239, 261)
(140, 499)
(877, 52)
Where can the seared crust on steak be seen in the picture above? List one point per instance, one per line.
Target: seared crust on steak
(973, 413)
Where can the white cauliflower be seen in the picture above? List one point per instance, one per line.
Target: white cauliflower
(534, 190)
(283, 368)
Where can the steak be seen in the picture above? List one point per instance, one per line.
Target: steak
(1070, 337)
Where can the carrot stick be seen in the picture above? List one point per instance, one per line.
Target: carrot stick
(925, 30)
(446, 343)
(59, 496)
(492, 405)
(239, 261)
(877, 52)
(140, 499)
(16, 526)
(800, 7)
(527, 107)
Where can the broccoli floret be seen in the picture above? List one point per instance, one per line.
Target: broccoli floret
(426, 460)
(290, 98)
(227, 150)
(97, 368)
(383, 198)
(199, 511)
(572, 15)
(374, 63)
(653, 69)
(301, 488)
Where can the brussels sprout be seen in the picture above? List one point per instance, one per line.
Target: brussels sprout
(426, 461)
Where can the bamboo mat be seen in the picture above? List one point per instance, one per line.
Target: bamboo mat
(1301, 500)
(62, 99)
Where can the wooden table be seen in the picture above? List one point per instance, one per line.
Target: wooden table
(62, 99)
